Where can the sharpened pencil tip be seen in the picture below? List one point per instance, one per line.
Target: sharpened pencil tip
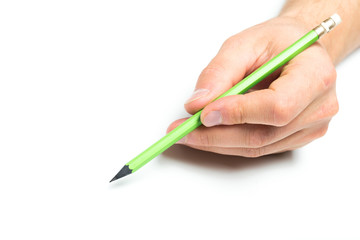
(122, 173)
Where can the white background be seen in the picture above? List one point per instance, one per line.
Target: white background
(87, 85)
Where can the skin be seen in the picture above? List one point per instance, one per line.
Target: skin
(290, 108)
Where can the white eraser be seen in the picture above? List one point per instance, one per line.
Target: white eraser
(336, 18)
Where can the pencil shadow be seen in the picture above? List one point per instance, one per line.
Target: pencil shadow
(220, 162)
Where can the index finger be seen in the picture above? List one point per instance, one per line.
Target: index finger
(300, 83)
(227, 68)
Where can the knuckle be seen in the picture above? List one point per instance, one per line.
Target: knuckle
(253, 152)
(234, 113)
(327, 110)
(283, 112)
(320, 132)
(256, 140)
(232, 41)
(330, 109)
(333, 108)
(317, 133)
(260, 138)
(212, 70)
(329, 76)
(204, 139)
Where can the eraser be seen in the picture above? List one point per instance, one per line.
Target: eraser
(336, 18)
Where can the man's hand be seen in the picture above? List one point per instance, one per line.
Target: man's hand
(289, 109)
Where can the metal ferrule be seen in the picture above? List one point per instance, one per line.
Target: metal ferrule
(327, 25)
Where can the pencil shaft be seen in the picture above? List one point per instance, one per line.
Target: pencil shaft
(165, 142)
(240, 88)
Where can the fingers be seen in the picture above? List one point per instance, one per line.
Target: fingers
(250, 136)
(287, 113)
(244, 135)
(301, 82)
(291, 142)
(318, 112)
(228, 67)
(256, 107)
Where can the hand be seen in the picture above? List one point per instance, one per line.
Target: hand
(289, 109)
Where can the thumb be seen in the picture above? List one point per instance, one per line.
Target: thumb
(233, 61)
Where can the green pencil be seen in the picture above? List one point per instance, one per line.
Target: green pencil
(242, 87)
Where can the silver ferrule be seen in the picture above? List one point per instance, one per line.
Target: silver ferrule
(327, 25)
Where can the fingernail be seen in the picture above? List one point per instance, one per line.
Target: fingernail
(181, 141)
(212, 119)
(201, 92)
